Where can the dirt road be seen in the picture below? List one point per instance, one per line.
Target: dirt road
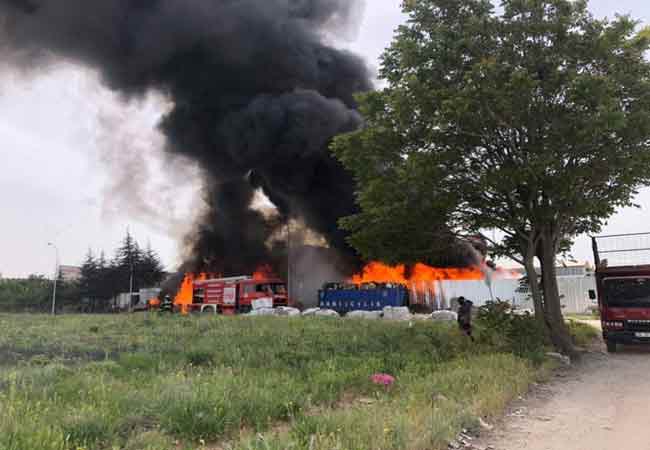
(602, 404)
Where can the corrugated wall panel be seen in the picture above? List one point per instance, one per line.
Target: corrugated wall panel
(477, 291)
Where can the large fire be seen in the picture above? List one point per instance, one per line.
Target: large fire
(423, 280)
(376, 272)
(185, 296)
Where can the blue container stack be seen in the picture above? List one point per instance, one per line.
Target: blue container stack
(363, 298)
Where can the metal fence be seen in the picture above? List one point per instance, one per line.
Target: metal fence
(622, 249)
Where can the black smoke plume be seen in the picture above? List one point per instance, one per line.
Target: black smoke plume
(257, 96)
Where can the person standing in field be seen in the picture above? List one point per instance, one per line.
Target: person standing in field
(465, 316)
(167, 304)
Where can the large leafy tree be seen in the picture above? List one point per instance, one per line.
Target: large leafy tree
(22, 295)
(533, 120)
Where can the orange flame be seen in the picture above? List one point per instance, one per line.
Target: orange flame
(263, 272)
(422, 278)
(185, 295)
(376, 272)
(422, 272)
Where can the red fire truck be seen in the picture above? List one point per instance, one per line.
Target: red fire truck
(235, 295)
(623, 283)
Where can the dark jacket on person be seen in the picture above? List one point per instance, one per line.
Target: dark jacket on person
(465, 314)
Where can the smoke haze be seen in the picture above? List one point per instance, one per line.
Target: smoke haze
(256, 93)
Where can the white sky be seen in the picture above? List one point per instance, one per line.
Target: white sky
(57, 137)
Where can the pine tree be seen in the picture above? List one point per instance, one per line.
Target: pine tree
(106, 286)
(89, 279)
(127, 258)
(102, 280)
(150, 268)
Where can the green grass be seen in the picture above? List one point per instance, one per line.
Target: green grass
(127, 382)
(424, 412)
(583, 334)
(593, 316)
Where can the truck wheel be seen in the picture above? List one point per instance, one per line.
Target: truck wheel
(611, 346)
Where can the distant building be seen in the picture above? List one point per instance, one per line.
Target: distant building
(575, 270)
(138, 300)
(70, 274)
(565, 270)
(574, 281)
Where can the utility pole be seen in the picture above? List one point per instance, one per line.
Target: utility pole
(56, 276)
(289, 257)
(131, 287)
(131, 251)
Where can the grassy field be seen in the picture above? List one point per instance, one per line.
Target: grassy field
(131, 382)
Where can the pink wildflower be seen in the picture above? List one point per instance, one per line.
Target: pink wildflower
(383, 379)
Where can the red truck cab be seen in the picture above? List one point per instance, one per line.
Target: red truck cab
(236, 295)
(623, 283)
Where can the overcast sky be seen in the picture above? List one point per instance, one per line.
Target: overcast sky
(57, 131)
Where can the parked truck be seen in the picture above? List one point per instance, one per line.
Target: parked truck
(235, 295)
(623, 285)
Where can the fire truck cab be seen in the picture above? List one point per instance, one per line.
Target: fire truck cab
(236, 295)
(623, 283)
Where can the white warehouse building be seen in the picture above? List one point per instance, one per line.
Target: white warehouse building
(574, 283)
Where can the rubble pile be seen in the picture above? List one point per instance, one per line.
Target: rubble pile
(372, 315)
(284, 311)
(444, 316)
(388, 313)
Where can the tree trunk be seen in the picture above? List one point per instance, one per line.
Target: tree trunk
(535, 292)
(558, 331)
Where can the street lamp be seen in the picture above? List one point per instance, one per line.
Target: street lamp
(56, 276)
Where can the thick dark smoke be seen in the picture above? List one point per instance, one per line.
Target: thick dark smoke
(257, 96)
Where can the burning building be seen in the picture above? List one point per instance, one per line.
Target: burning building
(435, 288)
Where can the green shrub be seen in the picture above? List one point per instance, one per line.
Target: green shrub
(582, 333)
(445, 342)
(199, 358)
(503, 330)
